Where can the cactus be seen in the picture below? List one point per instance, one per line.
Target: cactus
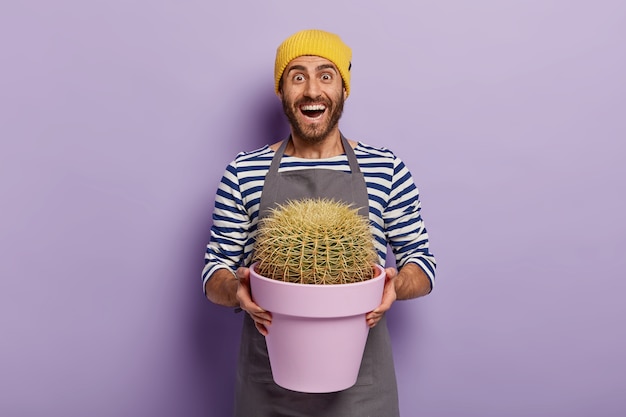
(315, 241)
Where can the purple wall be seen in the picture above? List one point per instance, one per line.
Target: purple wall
(117, 119)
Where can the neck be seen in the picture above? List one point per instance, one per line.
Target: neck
(326, 148)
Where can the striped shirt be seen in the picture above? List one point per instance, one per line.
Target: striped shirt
(394, 207)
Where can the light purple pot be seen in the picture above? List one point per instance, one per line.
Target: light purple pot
(318, 332)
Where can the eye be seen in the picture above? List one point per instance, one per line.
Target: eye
(298, 78)
(327, 76)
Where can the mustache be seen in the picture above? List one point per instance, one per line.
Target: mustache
(308, 101)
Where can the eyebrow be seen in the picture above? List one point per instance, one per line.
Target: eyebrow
(318, 68)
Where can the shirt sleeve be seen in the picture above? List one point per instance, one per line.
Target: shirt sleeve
(404, 225)
(231, 224)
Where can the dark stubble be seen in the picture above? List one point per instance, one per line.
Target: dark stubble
(319, 132)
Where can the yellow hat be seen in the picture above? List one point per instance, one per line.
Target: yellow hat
(318, 43)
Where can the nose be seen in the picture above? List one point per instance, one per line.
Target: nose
(312, 89)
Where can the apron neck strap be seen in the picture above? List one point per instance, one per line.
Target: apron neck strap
(352, 161)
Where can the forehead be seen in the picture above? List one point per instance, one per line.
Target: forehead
(310, 62)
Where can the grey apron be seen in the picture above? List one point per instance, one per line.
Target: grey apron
(375, 393)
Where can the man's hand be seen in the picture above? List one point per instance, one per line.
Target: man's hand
(389, 297)
(261, 318)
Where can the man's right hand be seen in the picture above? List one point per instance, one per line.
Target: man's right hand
(262, 319)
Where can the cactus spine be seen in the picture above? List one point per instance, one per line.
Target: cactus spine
(315, 241)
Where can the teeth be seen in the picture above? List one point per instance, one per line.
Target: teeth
(314, 107)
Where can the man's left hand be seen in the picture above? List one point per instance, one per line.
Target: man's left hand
(389, 297)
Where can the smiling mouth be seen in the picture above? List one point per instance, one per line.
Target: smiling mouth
(313, 111)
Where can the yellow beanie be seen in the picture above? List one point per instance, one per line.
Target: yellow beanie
(318, 43)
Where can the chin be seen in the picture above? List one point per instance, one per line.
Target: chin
(313, 135)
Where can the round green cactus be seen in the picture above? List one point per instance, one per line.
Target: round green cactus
(315, 241)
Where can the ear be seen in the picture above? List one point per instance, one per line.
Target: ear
(279, 93)
(345, 95)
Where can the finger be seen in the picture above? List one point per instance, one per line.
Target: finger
(246, 303)
(390, 273)
(261, 316)
(243, 273)
(244, 296)
(389, 294)
(385, 304)
(370, 315)
(373, 320)
(373, 315)
(261, 328)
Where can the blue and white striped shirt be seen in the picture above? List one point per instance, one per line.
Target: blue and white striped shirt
(394, 207)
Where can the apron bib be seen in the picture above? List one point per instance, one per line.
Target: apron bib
(375, 393)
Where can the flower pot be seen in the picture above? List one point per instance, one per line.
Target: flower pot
(318, 332)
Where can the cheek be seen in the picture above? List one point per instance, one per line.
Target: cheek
(289, 94)
(290, 100)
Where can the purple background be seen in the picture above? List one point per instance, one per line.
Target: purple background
(117, 119)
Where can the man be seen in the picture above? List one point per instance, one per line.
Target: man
(312, 79)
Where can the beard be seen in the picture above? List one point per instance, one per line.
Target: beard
(319, 131)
